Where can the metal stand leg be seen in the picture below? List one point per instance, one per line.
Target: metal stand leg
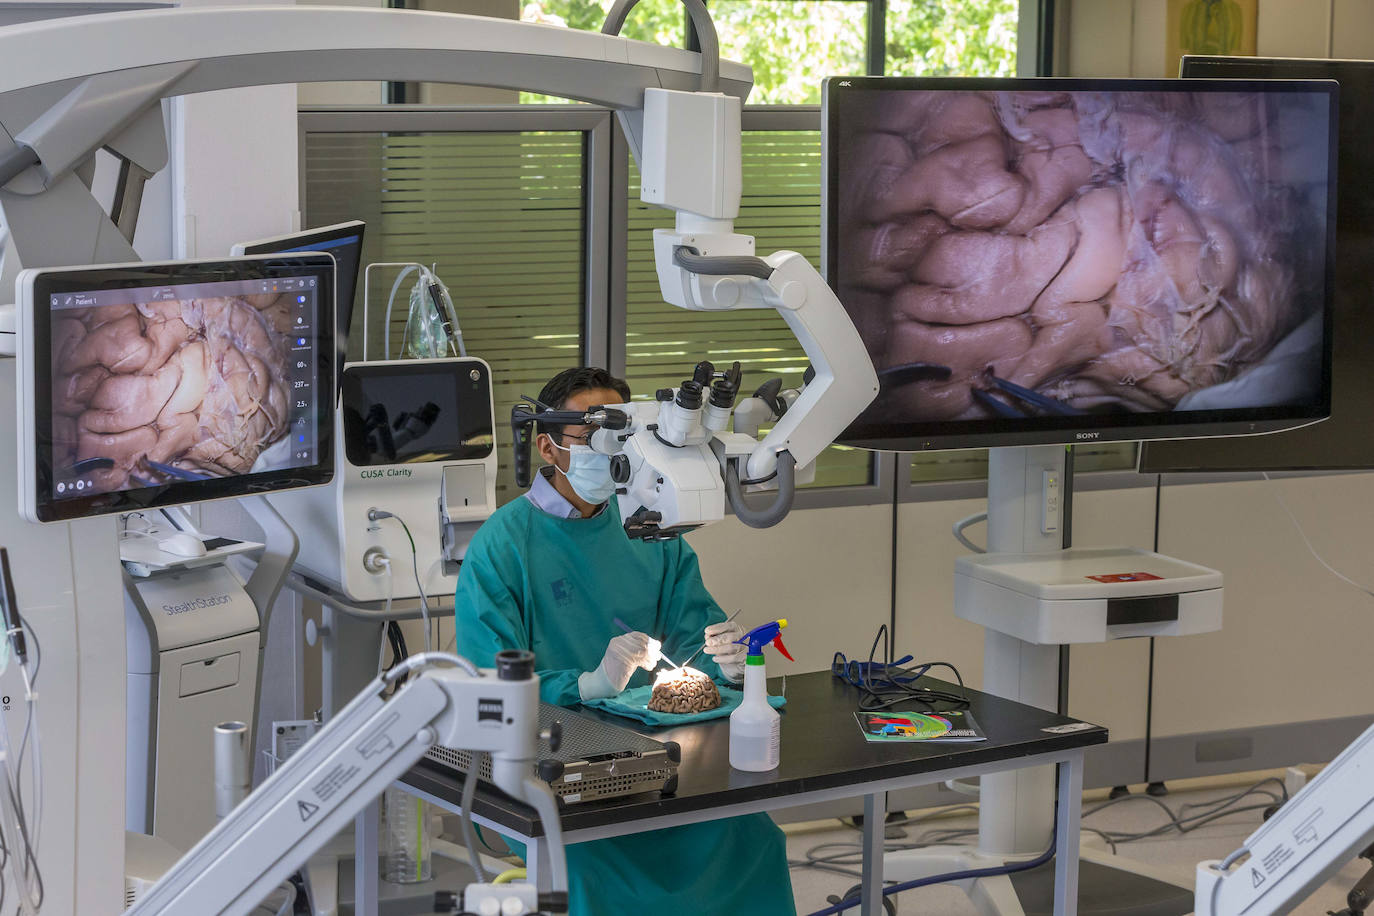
(349, 648)
(365, 861)
(1067, 819)
(871, 890)
(537, 868)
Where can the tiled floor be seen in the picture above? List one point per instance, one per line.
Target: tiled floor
(1177, 855)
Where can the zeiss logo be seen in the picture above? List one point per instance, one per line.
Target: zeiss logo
(491, 710)
(1089, 435)
(198, 604)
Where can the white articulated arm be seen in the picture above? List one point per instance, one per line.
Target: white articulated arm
(691, 162)
(845, 382)
(1311, 837)
(368, 745)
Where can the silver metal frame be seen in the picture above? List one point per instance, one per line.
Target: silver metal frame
(1067, 821)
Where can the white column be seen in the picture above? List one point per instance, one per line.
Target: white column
(1016, 809)
(66, 578)
(234, 161)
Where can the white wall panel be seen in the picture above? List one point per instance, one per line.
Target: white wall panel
(1127, 37)
(1149, 40)
(1352, 29)
(1294, 642)
(926, 550)
(1099, 38)
(1294, 28)
(1108, 682)
(828, 571)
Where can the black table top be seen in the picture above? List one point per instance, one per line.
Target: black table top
(822, 748)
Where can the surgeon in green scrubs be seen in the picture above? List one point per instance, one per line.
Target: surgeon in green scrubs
(548, 572)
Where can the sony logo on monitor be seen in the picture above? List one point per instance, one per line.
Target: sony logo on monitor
(1089, 435)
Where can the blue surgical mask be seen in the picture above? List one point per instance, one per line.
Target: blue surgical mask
(589, 473)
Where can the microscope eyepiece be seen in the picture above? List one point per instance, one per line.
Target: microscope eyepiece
(689, 395)
(723, 394)
(515, 665)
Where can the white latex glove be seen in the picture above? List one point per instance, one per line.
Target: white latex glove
(721, 645)
(623, 655)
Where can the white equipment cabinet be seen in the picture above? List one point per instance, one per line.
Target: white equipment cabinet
(443, 483)
(193, 645)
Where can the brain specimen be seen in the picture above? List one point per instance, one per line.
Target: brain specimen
(1102, 251)
(197, 386)
(684, 690)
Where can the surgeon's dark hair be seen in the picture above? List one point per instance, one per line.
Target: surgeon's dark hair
(569, 382)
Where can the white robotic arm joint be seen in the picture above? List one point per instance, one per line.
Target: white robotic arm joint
(368, 744)
(692, 153)
(1309, 838)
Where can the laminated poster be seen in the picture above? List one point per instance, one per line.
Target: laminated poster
(952, 726)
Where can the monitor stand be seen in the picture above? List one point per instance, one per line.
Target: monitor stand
(1016, 809)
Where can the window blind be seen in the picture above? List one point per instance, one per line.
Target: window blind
(499, 214)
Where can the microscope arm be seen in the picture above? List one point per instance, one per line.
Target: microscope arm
(1311, 837)
(691, 160)
(368, 745)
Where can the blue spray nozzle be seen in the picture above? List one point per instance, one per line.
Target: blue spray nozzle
(761, 635)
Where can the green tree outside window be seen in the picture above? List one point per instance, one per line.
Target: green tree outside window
(792, 45)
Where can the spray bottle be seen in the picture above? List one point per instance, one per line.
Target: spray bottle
(755, 726)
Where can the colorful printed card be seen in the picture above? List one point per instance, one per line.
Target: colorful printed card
(953, 726)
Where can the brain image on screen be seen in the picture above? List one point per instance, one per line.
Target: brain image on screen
(1034, 253)
(170, 390)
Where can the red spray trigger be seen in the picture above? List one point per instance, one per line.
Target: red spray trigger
(777, 644)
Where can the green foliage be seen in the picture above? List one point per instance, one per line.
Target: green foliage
(792, 45)
(659, 21)
(951, 38)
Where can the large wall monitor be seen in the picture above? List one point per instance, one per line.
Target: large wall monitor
(1346, 441)
(1066, 260)
(147, 385)
(345, 242)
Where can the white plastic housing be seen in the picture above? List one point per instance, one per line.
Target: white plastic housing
(1310, 838)
(692, 152)
(678, 425)
(1053, 599)
(714, 419)
(683, 484)
(336, 534)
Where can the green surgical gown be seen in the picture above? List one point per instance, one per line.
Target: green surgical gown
(551, 585)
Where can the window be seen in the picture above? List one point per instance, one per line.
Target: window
(792, 45)
(972, 464)
(951, 38)
(501, 214)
